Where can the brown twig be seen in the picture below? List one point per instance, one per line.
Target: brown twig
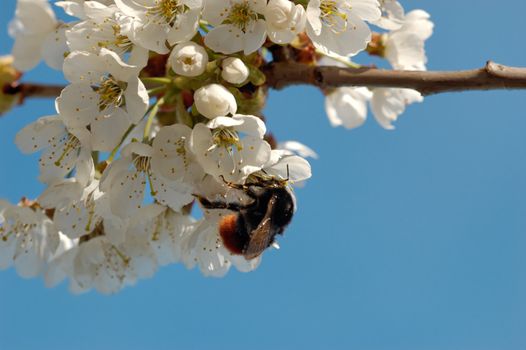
(491, 77)
(30, 90)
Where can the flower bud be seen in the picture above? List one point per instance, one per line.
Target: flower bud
(234, 70)
(214, 100)
(188, 59)
(284, 20)
(8, 75)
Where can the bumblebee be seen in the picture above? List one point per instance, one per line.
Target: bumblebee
(254, 226)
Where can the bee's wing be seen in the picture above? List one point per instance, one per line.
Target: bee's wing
(263, 235)
(260, 239)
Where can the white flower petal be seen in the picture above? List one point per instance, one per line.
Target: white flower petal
(138, 148)
(387, 104)
(298, 148)
(253, 156)
(368, 10)
(346, 43)
(171, 158)
(78, 104)
(55, 47)
(251, 125)
(347, 106)
(137, 100)
(108, 130)
(127, 193)
(60, 194)
(185, 27)
(172, 193)
(39, 134)
(27, 52)
(255, 37)
(150, 36)
(224, 122)
(225, 38)
(293, 168)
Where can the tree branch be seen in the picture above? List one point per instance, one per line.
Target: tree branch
(492, 77)
(282, 74)
(27, 90)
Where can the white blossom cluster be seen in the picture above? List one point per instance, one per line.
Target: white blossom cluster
(403, 45)
(164, 106)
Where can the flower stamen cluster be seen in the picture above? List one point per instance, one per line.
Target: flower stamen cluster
(241, 16)
(111, 93)
(334, 16)
(167, 11)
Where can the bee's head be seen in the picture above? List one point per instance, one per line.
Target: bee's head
(283, 209)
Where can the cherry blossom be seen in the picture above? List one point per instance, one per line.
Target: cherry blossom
(163, 111)
(387, 104)
(338, 26)
(125, 180)
(404, 47)
(104, 27)
(28, 239)
(188, 59)
(237, 26)
(285, 20)
(38, 35)
(156, 22)
(234, 70)
(215, 100)
(64, 149)
(392, 15)
(117, 88)
(222, 151)
(347, 106)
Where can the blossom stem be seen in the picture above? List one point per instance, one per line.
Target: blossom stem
(156, 90)
(116, 149)
(152, 115)
(182, 114)
(156, 80)
(130, 129)
(204, 26)
(95, 156)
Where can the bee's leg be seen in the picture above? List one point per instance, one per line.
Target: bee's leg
(246, 189)
(233, 185)
(220, 204)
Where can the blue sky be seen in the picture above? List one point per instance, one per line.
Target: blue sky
(412, 239)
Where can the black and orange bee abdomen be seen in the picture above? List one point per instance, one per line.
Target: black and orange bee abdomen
(234, 237)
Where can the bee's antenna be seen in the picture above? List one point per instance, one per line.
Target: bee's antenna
(288, 173)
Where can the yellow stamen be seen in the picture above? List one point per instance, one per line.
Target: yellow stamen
(226, 137)
(72, 144)
(241, 15)
(167, 10)
(333, 16)
(111, 93)
(125, 259)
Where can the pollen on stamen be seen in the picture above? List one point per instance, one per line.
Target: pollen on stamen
(241, 15)
(71, 144)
